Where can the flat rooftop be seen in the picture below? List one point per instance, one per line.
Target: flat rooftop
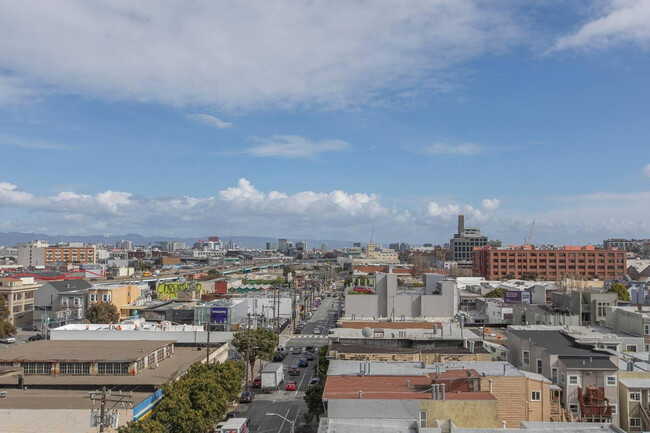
(363, 348)
(80, 351)
(397, 368)
(167, 370)
(54, 399)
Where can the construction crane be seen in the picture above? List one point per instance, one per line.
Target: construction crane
(530, 235)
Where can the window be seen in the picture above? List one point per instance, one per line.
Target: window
(93, 297)
(614, 408)
(525, 355)
(630, 348)
(168, 351)
(646, 328)
(151, 360)
(535, 396)
(113, 368)
(140, 365)
(75, 368)
(160, 354)
(37, 367)
(554, 375)
(611, 380)
(573, 380)
(635, 422)
(573, 408)
(77, 302)
(635, 396)
(423, 419)
(106, 297)
(539, 366)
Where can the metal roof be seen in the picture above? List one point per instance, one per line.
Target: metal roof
(633, 382)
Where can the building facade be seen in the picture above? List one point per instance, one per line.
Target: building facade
(464, 242)
(19, 298)
(548, 264)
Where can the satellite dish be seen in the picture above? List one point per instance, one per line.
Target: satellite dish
(366, 332)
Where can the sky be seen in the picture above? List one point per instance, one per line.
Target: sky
(327, 119)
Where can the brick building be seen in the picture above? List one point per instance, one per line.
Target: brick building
(69, 254)
(548, 264)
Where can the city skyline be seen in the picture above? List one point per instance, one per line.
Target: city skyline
(324, 125)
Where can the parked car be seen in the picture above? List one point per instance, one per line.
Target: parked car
(36, 337)
(310, 349)
(297, 331)
(316, 330)
(246, 397)
(257, 382)
(30, 328)
(309, 356)
(8, 340)
(296, 351)
(294, 371)
(279, 356)
(290, 386)
(315, 380)
(303, 362)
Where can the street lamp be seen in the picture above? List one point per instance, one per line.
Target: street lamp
(293, 423)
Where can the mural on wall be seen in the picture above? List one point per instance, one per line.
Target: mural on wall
(170, 290)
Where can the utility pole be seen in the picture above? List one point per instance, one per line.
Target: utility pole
(207, 355)
(106, 396)
(274, 289)
(248, 350)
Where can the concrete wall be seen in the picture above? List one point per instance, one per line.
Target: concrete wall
(463, 413)
(626, 321)
(361, 305)
(183, 337)
(373, 408)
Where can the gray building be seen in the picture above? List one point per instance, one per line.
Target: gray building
(438, 298)
(572, 367)
(463, 243)
(61, 302)
(283, 245)
(590, 306)
(124, 245)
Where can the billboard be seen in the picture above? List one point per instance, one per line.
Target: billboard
(219, 315)
(516, 297)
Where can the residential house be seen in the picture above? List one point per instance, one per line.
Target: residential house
(120, 295)
(591, 306)
(61, 302)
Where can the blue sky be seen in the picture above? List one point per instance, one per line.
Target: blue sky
(326, 120)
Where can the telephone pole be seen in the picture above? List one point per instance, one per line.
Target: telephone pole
(248, 350)
(207, 355)
(106, 396)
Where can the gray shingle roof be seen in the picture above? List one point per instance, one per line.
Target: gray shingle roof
(69, 285)
(555, 342)
(592, 362)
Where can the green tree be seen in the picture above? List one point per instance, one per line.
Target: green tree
(6, 328)
(144, 426)
(314, 399)
(496, 293)
(262, 343)
(102, 312)
(621, 290)
(323, 363)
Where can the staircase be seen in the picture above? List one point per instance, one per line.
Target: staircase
(645, 416)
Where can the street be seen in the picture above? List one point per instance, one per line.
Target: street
(290, 404)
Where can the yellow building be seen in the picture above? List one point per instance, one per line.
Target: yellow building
(119, 295)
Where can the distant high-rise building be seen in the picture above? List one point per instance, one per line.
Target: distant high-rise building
(403, 246)
(124, 245)
(273, 246)
(428, 245)
(324, 247)
(302, 246)
(464, 241)
(283, 245)
(178, 246)
(214, 239)
(356, 245)
(394, 246)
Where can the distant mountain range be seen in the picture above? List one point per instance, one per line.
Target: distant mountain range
(13, 238)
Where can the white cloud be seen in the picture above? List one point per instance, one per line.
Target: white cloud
(464, 149)
(208, 120)
(248, 54)
(646, 170)
(245, 209)
(294, 146)
(624, 21)
(491, 204)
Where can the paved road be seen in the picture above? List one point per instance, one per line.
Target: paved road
(289, 404)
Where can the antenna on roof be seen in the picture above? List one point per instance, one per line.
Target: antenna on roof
(372, 234)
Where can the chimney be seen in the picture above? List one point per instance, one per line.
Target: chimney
(504, 368)
(443, 391)
(490, 385)
(503, 423)
(461, 224)
(360, 394)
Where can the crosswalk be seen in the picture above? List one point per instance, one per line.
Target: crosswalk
(309, 336)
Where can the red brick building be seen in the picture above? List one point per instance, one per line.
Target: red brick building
(549, 264)
(69, 255)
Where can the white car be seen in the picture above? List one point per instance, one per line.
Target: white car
(8, 340)
(316, 330)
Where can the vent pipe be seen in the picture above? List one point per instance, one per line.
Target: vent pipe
(443, 391)
(360, 394)
(490, 385)
(408, 383)
(368, 368)
(503, 423)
